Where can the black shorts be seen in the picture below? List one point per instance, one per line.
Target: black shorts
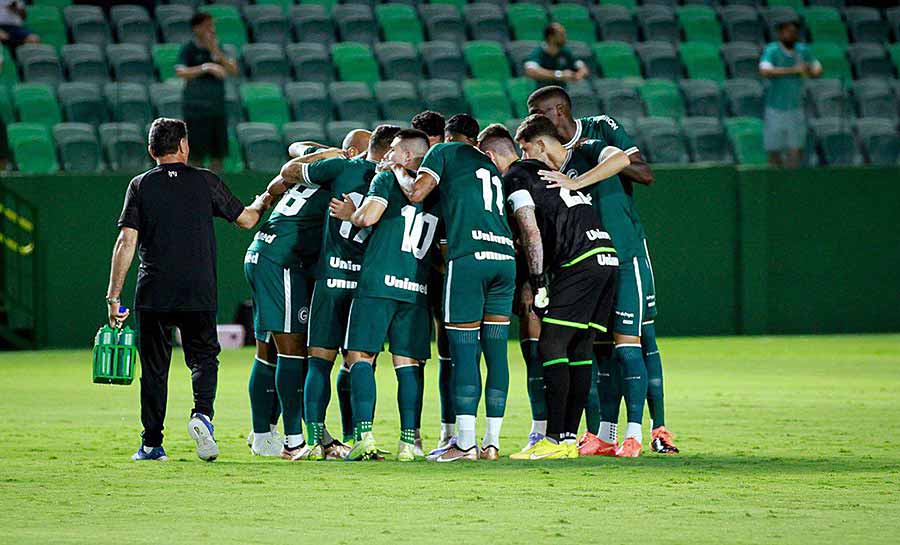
(207, 136)
(583, 296)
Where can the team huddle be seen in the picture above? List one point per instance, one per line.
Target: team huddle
(443, 230)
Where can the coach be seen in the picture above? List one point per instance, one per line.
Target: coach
(167, 216)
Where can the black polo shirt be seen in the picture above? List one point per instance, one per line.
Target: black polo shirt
(172, 207)
(204, 95)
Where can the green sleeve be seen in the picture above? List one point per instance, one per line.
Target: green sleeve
(534, 56)
(807, 54)
(434, 161)
(323, 172)
(616, 135)
(183, 56)
(768, 55)
(592, 149)
(569, 58)
(380, 188)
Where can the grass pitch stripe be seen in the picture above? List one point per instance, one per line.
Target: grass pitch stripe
(576, 325)
(556, 361)
(588, 254)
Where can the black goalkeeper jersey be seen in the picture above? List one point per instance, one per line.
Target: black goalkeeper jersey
(570, 228)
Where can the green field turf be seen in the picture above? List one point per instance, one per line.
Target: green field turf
(784, 440)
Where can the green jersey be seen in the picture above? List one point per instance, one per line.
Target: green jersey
(785, 92)
(397, 261)
(292, 234)
(614, 207)
(471, 201)
(343, 244)
(604, 128)
(562, 60)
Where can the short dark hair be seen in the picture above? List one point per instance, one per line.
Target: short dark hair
(382, 136)
(463, 124)
(199, 18)
(165, 136)
(785, 21)
(551, 29)
(548, 93)
(534, 126)
(429, 122)
(494, 137)
(413, 134)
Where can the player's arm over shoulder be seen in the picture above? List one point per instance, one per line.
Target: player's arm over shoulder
(372, 208)
(614, 133)
(427, 177)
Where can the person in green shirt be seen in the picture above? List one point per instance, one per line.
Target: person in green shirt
(784, 64)
(552, 62)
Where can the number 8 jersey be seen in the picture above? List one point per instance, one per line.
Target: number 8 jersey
(292, 234)
(471, 201)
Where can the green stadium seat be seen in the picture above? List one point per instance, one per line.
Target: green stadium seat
(266, 62)
(699, 24)
(866, 25)
(262, 146)
(36, 103)
(873, 98)
(487, 60)
(234, 109)
(124, 147)
(706, 139)
(85, 63)
(657, 23)
(264, 103)
(166, 99)
(353, 101)
(443, 22)
(659, 60)
(443, 96)
(186, 3)
(327, 4)
(582, 51)
(355, 62)
(337, 130)
(8, 72)
(309, 101)
(577, 21)
(631, 4)
(303, 131)
(399, 23)
(267, 24)
(487, 100)
(619, 98)
(130, 63)
(745, 134)
(47, 22)
(7, 113)
(616, 60)
(742, 24)
(518, 90)
(32, 148)
(165, 57)
(443, 60)
(77, 146)
(87, 25)
(284, 5)
(825, 25)
(615, 23)
(518, 52)
(584, 100)
(742, 59)
(835, 142)
(870, 61)
(133, 25)
(59, 4)
(397, 99)
(893, 17)
(661, 141)
(458, 4)
(662, 99)
(826, 97)
(398, 61)
(355, 23)
(796, 4)
(744, 97)
(833, 59)
(702, 61)
(526, 21)
(879, 140)
(702, 97)
(486, 22)
(128, 102)
(39, 63)
(174, 22)
(230, 27)
(311, 23)
(773, 15)
(894, 52)
(664, 3)
(82, 103)
(310, 62)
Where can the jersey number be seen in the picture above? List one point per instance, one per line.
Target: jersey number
(413, 241)
(573, 198)
(346, 226)
(294, 199)
(488, 184)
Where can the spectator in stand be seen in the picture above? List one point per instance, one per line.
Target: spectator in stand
(552, 63)
(12, 33)
(204, 67)
(784, 64)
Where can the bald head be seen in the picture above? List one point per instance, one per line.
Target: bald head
(356, 142)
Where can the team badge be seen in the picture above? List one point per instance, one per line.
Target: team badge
(303, 315)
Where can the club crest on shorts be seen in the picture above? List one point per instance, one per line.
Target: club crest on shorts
(303, 315)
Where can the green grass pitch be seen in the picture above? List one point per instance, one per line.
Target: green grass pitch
(784, 440)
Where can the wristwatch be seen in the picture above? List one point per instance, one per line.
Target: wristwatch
(113, 300)
(557, 74)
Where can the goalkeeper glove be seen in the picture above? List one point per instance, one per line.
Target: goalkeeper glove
(541, 294)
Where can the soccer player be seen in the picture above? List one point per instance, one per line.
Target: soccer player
(561, 237)
(480, 279)
(554, 102)
(391, 300)
(339, 267)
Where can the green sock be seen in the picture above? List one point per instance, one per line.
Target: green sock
(535, 373)
(634, 380)
(655, 402)
(343, 393)
(466, 373)
(445, 389)
(317, 394)
(288, 382)
(362, 395)
(407, 390)
(592, 403)
(420, 394)
(261, 387)
(609, 383)
(494, 343)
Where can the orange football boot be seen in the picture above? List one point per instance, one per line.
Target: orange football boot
(661, 441)
(591, 445)
(631, 448)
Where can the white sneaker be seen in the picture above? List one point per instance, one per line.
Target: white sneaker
(266, 444)
(201, 431)
(418, 449)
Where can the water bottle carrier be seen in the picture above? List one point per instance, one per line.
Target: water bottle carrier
(114, 355)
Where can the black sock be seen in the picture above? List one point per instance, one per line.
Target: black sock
(579, 388)
(556, 382)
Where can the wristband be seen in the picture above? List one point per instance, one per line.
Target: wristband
(537, 281)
